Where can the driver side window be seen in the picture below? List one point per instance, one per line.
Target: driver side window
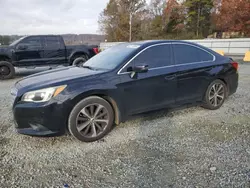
(31, 43)
(155, 57)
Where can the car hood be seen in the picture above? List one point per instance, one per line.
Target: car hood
(54, 77)
(3, 49)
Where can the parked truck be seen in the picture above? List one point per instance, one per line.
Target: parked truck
(42, 50)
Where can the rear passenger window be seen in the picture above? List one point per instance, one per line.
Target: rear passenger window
(185, 54)
(52, 42)
(154, 57)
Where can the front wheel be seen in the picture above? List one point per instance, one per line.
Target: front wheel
(7, 70)
(91, 119)
(215, 95)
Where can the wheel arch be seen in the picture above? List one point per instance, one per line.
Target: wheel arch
(227, 85)
(77, 53)
(5, 58)
(115, 107)
(212, 80)
(103, 95)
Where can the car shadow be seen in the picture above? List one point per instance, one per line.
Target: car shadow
(152, 153)
(165, 112)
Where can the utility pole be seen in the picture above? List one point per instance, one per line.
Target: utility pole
(130, 27)
(198, 21)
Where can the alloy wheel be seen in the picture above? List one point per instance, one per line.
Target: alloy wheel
(217, 94)
(92, 120)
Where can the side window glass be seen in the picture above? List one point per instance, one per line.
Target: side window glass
(52, 42)
(155, 57)
(185, 54)
(31, 43)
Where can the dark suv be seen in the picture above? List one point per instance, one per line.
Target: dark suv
(124, 80)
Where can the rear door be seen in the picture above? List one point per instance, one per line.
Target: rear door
(29, 51)
(54, 50)
(194, 66)
(155, 88)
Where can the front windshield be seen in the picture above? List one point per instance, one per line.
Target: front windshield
(112, 57)
(16, 41)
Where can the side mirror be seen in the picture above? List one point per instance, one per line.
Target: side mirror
(22, 47)
(140, 68)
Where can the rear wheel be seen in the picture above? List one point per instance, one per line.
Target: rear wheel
(91, 119)
(79, 60)
(215, 95)
(7, 70)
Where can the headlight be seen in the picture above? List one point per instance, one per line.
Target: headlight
(42, 95)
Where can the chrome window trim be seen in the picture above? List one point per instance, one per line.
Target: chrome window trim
(214, 58)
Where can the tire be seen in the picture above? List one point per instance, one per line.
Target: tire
(215, 95)
(82, 121)
(79, 61)
(7, 70)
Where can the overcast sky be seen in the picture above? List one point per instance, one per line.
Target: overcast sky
(25, 17)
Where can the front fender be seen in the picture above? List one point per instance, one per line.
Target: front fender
(6, 52)
(97, 92)
(111, 97)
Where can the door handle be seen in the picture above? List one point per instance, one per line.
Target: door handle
(171, 77)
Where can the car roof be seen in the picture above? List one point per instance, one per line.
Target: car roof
(146, 43)
(41, 36)
(152, 42)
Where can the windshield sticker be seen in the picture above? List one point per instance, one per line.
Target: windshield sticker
(133, 46)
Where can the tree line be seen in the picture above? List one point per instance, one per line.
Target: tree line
(173, 19)
(4, 40)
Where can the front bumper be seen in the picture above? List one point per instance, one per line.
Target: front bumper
(33, 132)
(40, 119)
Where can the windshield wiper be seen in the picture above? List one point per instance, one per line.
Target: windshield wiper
(93, 68)
(88, 67)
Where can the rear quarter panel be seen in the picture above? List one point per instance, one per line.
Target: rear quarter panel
(193, 79)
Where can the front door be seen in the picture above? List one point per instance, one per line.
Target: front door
(29, 51)
(154, 89)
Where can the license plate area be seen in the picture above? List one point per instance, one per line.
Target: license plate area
(13, 95)
(12, 100)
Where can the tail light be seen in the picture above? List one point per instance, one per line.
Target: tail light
(235, 65)
(96, 50)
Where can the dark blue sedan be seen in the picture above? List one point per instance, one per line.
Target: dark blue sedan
(127, 79)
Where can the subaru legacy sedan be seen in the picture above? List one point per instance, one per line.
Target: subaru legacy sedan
(127, 79)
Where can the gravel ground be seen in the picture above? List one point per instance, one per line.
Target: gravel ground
(190, 147)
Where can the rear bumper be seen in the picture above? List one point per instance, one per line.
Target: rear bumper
(232, 83)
